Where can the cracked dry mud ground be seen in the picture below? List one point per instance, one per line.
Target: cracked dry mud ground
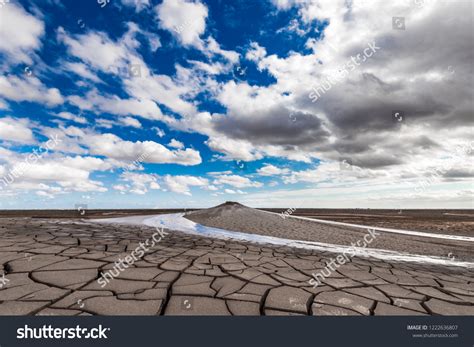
(51, 267)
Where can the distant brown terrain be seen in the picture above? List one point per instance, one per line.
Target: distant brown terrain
(458, 222)
(85, 214)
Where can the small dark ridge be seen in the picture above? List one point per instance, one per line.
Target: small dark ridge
(230, 203)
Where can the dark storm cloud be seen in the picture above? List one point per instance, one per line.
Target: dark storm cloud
(278, 126)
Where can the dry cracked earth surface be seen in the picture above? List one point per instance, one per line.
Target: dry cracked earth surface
(51, 267)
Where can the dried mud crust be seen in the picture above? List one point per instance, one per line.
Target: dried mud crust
(51, 267)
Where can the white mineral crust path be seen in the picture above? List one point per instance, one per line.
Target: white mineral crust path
(176, 221)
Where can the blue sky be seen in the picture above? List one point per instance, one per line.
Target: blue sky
(190, 103)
